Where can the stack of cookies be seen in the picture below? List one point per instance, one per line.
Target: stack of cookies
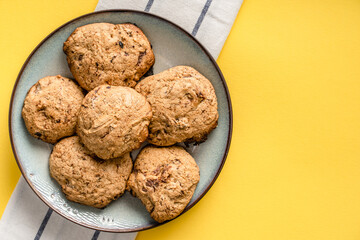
(96, 125)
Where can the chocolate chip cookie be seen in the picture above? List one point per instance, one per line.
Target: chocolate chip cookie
(113, 120)
(86, 179)
(51, 107)
(184, 106)
(104, 53)
(164, 179)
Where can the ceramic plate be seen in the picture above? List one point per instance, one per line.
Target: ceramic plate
(172, 46)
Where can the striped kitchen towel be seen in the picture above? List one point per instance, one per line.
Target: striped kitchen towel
(210, 21)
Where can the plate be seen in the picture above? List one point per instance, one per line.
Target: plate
(172, 46)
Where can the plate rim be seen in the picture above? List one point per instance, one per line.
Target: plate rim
(197, 43)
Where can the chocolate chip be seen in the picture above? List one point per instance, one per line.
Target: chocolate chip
(97, 64)
(157, 171)
(149, 183)
(152, 183)
(200, 96)
(189, 96)
(80, 57)
(141, 55)
(38, 134)
(121, 44)
(108, 87)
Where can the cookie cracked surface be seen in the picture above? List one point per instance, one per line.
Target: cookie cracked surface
(184, 106)
(104, 53)
(86, 179)
(50, 108)
(164, 179)
(113, 120)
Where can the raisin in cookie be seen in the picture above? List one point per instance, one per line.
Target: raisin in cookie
(86, 179)
(51, 107)
(113, 120)
(104, 53)
(184, 106)
(164, 179)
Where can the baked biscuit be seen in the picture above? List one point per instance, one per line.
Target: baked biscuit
(86, 179)
(51, 107)
(184, 106)
(113, 120)
(104, 53)
(164, 179)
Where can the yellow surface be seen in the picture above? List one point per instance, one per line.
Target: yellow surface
(293, 70)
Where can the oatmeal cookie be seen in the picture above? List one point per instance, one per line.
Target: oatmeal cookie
(86, 179)
(113, 120)
(104, 53)
(51, 107)
(184, 106)
(164, 179)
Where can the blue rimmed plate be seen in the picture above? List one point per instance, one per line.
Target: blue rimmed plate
(172, 46)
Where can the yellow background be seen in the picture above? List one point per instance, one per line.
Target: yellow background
(293, 70)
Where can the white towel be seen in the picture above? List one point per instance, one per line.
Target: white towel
(210, 22)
